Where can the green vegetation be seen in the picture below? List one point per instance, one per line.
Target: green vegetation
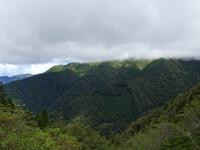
(173, 126)
(109, 95)
(83, 68)
(20, 130)
(42, 119)
(110, 98)
(39, 92)
(78, 68)
(140, 64)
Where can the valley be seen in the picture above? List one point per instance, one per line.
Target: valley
(130, 104)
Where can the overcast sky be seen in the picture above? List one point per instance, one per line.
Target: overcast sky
(36, 34)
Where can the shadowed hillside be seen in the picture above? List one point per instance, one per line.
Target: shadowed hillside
(110, 99)
(40, 91)
(174, 126)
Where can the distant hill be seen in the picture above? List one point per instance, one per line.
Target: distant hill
(109, 95)
(6, 79)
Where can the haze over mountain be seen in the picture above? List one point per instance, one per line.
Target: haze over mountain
(6, 79)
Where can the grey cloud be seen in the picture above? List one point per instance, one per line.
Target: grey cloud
(35, 31)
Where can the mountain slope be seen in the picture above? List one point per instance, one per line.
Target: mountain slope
(79, 68)
(174, 126)
(20, 130)
(40, 91)
(110, 102)
(109, 95)
(110, 99)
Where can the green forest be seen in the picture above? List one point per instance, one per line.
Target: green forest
(113, 105)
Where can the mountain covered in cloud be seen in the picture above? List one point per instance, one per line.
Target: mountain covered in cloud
(129, 77)
(7, 79)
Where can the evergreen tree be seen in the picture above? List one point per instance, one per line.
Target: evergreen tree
(3, 98)
(43, 119)
(2, 94)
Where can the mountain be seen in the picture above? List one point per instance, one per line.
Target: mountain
(20, 130)
(40, 91)
(108, 95)
(78, 68)
(112, 97)
(6, 79)
(175, 125)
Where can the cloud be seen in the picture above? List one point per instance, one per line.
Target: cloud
(38, 32)
(10, 70)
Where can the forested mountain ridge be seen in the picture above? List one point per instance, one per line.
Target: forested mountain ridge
(24, 90)
(175, 126)
(40, 91)
(83, 68)
(79, 68)
(20, 130)
(109, 95)
(118, 99)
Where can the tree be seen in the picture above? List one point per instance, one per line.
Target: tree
(43, 119)
(2, 94)
(3, 98)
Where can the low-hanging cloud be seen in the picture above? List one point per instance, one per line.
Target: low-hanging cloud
(40, 31)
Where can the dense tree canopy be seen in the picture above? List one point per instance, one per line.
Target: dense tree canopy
(105, 106)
